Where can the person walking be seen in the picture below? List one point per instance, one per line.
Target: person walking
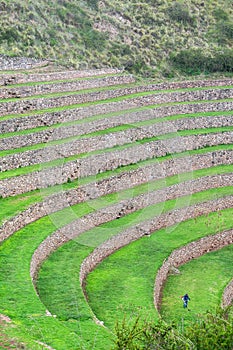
(185, 299)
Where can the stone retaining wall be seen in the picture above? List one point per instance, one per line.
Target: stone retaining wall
(85, 145)
(99, 217)
(85, 128)
(48, 119)
(30, 90)
(122, 181)
(25, 106)
(126, 237)
(228, 295)
(146, 228)
(11, 63)
(22, 78)
(186, 253)
(19, 78)
(25, 91)
(95, 164)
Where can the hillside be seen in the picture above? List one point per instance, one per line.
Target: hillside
(108, 184)
(142, 37)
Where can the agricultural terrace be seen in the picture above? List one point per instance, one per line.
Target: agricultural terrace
(116, 198)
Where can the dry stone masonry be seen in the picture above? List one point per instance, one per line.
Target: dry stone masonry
(95, 164)
(227, 299)
(157, 129)
(76, 228)
(188, 252)
(64, 133)
(26, 91)
(108, 141)
(27, 105)
(14, 63)
(113, 185)
(22, 78)
(48, 119)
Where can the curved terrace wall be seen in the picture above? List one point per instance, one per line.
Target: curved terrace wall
(108, 161)
(49, 119)
(113, 184)
(77, 227)
(111, 160)
(86, 145)
(30, 90)
(82, 129)
(27, 105)
(95, 190)
(188, 252)
(21, 78)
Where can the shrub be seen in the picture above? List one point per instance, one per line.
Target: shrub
(220, 14)
(195, 62)
(209, 331)
(225, 29)
(179, 12)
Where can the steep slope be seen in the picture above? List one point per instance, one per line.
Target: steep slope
(91, 161)
(139, 36)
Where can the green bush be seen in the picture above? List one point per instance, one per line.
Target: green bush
(9, 34)
(220, 14)
(179, 12)
(210, 331)
(195, 62)
(225, 28)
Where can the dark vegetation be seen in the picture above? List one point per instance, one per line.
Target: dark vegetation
(153, 38)
(210, 331)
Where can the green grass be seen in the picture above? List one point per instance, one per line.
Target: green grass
(55, 81)
(204, 279)
(24, 309)
(112, 114)
(123, 283)
(116, 99)
(115, 130)
(113, 88)
(12, 206)
(20, 302)
(61, 161)
(58, 283)
(97, 235)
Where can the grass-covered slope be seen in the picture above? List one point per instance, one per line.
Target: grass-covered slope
(139, 36)
(111, 151)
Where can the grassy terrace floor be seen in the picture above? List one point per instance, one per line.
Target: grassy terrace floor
(206, 276)
(111, 116)
(123, 127)
(25, 304)
(60, 161)
(122, 283)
